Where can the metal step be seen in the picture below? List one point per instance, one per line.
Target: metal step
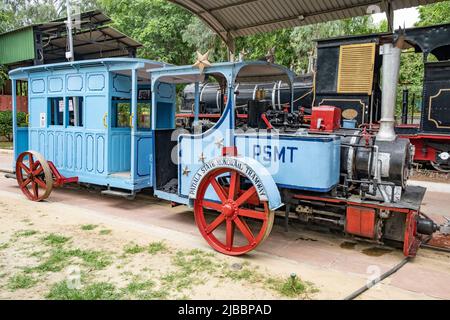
(116, 193)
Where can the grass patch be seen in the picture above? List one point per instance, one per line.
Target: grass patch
(25, 233)
(195, 261)
(191, 266)
(6, 145)
(37, 254)
(4, 246)
(133, 248)
(95, 291)
(61, 258)
(180, 280)
(135, 287)
(291, 287)
(88, 227)
(105, 232)
(157, 247)
(55, 239)
(21, 281)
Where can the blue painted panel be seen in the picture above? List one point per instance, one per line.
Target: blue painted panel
(37, 86)
(50, 154)
(96, 107)
(41, 143)
(21, 143)
(165, 91)
(70, 148)
(37, 105)
(301, 162)
(100, 160)
(59, 149)
(74, 82)
(121, 84)
(90, 152)
(120, 144)
(165, 115)
(144, 155)
(95, 81)
(55, 84)
(79, 152)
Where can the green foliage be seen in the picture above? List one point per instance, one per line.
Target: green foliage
(88, 227)
(291, 287)
(21, 281)
(157, 24)
(55, 239)
(136, 286)
(95, 291)
(105, 232)
(25, 233)
(437, 13)
(60, 258)
(133, 248)
(157, 247)
(6, 129)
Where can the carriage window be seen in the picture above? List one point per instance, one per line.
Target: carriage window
(121, 114)
(56, 111)
(76, 111)
(144, 115)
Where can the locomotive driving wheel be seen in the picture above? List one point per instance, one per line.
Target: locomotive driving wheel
(244, 221)
(34, 176)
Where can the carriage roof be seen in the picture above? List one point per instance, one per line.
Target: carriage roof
(247, 71)
(118, 65)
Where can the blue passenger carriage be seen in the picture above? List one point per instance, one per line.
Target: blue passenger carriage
(91, 120)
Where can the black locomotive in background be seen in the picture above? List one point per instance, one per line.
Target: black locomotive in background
(347, 75)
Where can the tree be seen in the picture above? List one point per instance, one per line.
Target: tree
(437, 13)
(157, 24)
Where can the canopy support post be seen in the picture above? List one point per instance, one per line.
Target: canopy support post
(231, 44)
(14, 118)
(389, 15)
(196, 103)
(133, 122)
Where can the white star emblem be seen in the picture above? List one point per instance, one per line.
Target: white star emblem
(219, 143)
(202, 61)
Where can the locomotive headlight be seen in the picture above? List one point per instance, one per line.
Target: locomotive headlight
(444, 156)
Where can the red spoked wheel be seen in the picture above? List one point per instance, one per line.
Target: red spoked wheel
(34, 176)
(243, 222)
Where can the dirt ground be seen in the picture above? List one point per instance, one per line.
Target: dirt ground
(57, 251)
(64, 250)
(81, 245)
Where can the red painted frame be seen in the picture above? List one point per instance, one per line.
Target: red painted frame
(411, 241)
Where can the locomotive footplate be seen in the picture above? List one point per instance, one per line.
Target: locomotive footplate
(381, 222)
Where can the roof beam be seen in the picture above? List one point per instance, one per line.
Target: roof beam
(305, 16)
(232, 5)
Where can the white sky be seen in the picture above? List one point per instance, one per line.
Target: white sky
(404, 17)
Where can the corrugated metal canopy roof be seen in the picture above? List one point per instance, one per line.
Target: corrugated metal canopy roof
(236, 18)
(101, 42)
(91, 38)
